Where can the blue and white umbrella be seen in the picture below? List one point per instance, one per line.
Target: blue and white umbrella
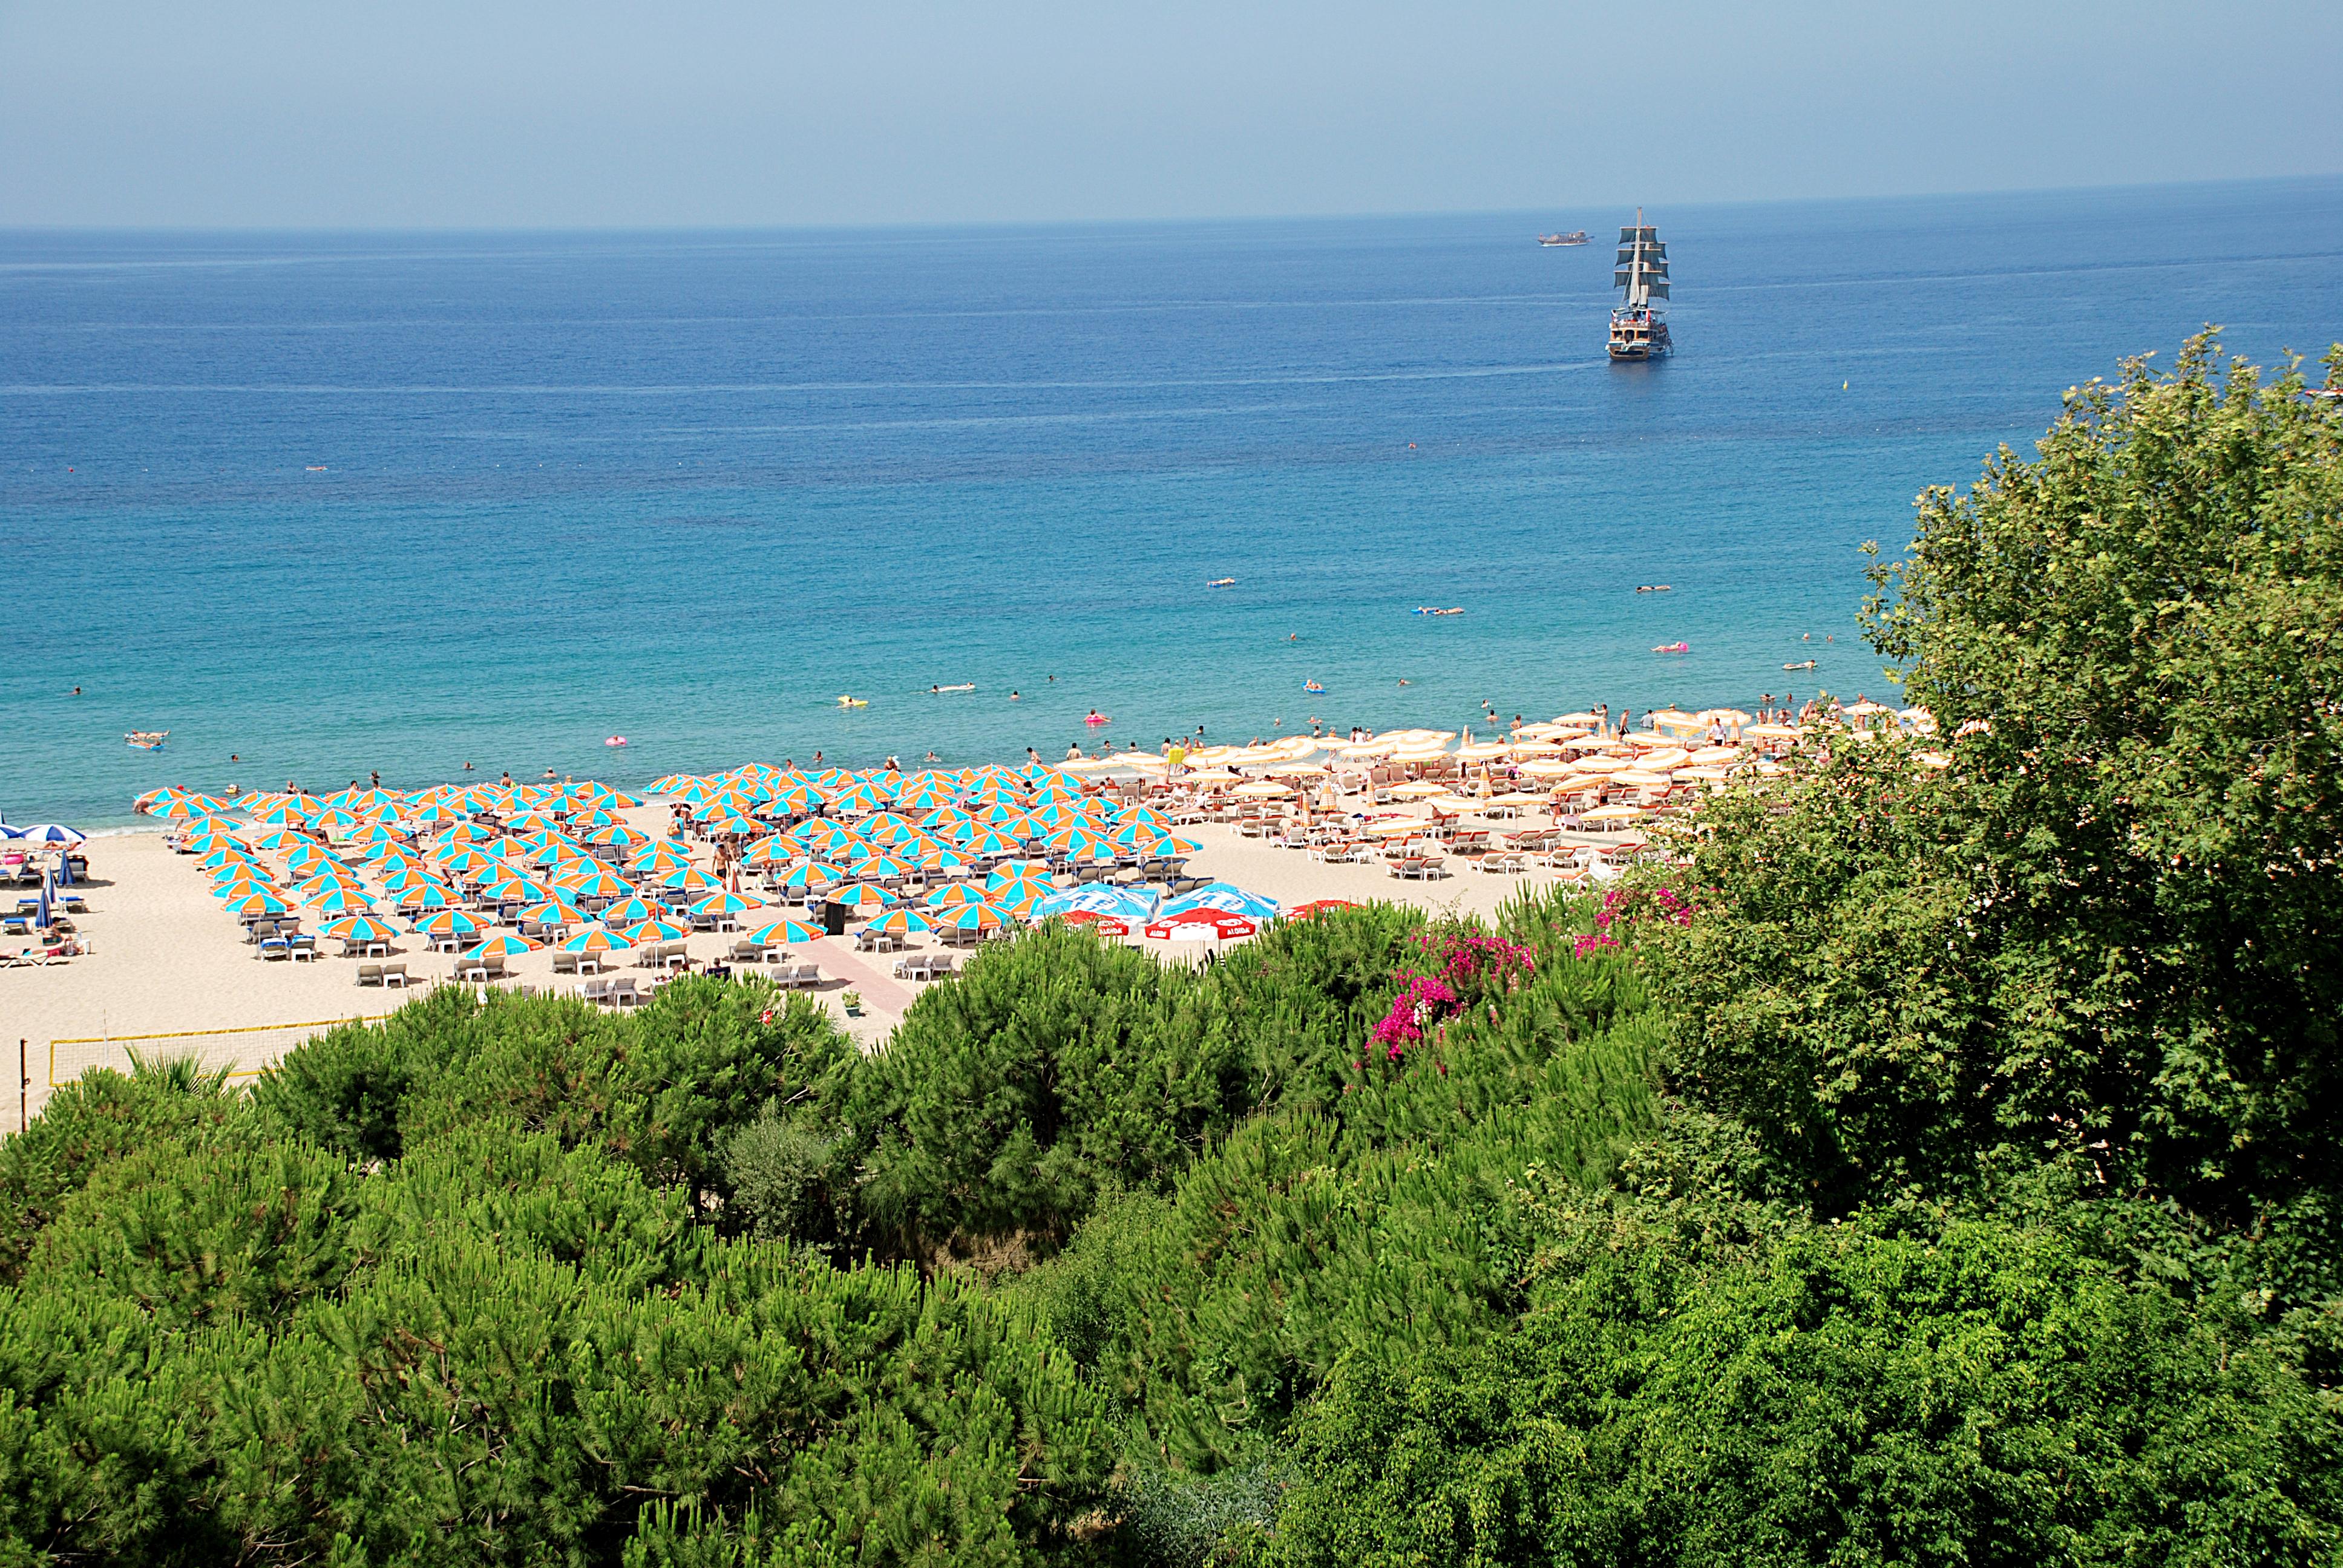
(1224, 896)
(49, 833)
(1099, 898)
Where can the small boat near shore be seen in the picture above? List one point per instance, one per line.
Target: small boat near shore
(1576, 236)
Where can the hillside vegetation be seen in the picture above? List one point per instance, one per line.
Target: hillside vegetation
(1941, 1167)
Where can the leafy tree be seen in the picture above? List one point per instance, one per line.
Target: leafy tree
(98, 1118)
(2141, 625)
(2105, 933)
(1972, 1395)
(1056, 1067)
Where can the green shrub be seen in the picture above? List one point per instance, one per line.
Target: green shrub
(1977, 1395)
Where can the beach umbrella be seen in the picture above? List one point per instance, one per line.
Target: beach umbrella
(553, 911)
(596, 882)
(504, 944)
(424, 896)
(594, 940)
(992, 844)
(813, 875)
(655, 931)
(1079, 843)
(977, 916)
(887, 827)
(616, 834)
(513, 890)
(49, 833)
(1607, 814)
(722, 903)
(447, 923)
(689, 879)
(240, 885)
(953, 893)
(901, 923)
(1226, 897)
(1223, 923)
(187, 808)
(631, 911)
(1097, 899)
(1011, 886)
(340, 902)
(783, 932)
(660, 855)
(365, 926)
(532, 821)
(1317, 907)
(1165, 848)
(882, 865)
(222, 855)
(259, 901)
(861, 895)
(286, 811)
(772, 849)
(936, 858)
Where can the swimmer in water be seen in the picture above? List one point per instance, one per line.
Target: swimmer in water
(1013, 696)
(1403, 683)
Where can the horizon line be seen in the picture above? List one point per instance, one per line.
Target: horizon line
(1233, 218)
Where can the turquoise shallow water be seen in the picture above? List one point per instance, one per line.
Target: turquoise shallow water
(691, 488)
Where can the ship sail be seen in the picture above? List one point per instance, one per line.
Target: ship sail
(1642, 268)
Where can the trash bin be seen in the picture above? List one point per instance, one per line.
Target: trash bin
(833, 918)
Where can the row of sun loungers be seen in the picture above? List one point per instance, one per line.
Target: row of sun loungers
(926, 967)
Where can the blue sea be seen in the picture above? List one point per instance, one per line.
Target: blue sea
(344, 503)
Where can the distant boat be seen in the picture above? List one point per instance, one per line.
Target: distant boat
(1637, 330)
(1576, 236)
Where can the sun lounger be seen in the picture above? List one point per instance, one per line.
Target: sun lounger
(370, 974)
(303, 949)
(565, 963)
(748, 952)
(805, 975)
(395, 974)
(623, 992)
(274, 948)
(596, 991)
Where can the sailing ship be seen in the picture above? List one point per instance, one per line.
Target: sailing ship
(1576, 236)
(1637, 330)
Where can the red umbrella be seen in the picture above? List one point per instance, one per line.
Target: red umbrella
(1107, 926)
(1318, 906)
(1223, 923)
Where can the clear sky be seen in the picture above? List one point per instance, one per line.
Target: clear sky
(592, 112)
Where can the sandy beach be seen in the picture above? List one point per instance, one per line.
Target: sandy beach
(168, 971)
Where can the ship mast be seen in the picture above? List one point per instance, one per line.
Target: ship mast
(1643, 264)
